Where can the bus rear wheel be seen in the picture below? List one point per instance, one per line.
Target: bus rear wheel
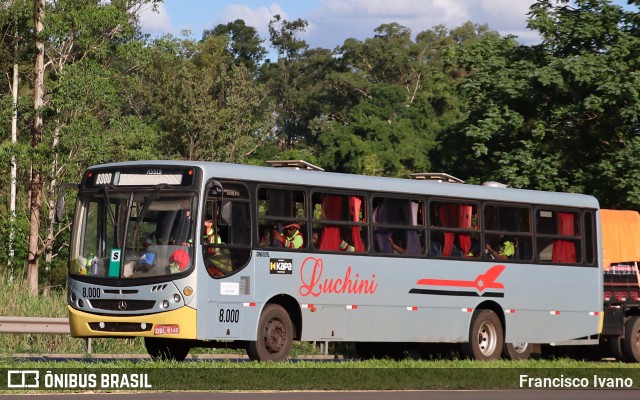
(631, 341)
(517, 351)
(486, 336)
(166, 349)
(275, 335)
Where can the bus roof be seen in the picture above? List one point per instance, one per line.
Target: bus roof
(370, 183)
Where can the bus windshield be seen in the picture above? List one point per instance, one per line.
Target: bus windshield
(126, 234)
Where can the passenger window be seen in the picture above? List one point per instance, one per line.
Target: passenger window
(226, 231)
(508, 232)
(281, 218)
(558, 236)
(454, 229)
(339, 222)
(398, 226)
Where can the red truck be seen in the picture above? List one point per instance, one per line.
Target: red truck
(621, 255)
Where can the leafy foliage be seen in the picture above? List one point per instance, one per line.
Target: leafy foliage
(560, 115)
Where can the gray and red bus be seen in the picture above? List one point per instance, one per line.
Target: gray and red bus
(384, 263)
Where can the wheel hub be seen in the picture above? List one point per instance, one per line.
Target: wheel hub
(487, 339)
(275, 336)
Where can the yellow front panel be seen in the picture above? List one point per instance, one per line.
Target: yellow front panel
(184, 318)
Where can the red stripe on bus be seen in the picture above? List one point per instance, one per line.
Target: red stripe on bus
(482, 282)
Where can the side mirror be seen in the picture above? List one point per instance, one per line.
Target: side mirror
(60, 202)
(60, 208)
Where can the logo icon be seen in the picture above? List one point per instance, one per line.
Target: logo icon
(18, 379)
(281, 266)
(122, 305)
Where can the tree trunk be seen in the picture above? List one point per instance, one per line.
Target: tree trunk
(14, 140)
(36, 174)
(14, 165)
(52, 211)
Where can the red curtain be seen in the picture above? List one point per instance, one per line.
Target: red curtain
(331, 210)
(354, 208)
(448, 215)
(464, 221)
(564, 251)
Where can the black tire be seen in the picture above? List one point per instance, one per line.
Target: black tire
(275, 335)
(486, 337)
(615, 347)
(517, 351)
(631, 341)
(167, 349)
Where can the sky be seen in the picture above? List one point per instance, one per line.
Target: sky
(333, 21)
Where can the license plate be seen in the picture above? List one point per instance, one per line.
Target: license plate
(166, 329)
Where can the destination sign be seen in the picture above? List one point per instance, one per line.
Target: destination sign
(140, 177)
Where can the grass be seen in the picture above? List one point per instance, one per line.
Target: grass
(445, 373)
(348, 375)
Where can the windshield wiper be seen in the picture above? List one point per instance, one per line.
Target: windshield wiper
(147, 205)
(108, 204)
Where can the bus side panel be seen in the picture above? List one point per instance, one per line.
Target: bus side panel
(228, 309)
(400, 324)
(365, 298)
(361, 298)
(550, 303)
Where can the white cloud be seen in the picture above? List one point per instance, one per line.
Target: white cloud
(336, 20)
(157, 21)
(256, 17)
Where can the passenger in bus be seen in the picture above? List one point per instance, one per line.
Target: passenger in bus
(345, 246)
(436, 248)
(397, 249)
(211, 237)
(504, 249)
(210, 234)
(475, 246)
(148, 259)
(217, 260)
(406, 242)
(292, 238)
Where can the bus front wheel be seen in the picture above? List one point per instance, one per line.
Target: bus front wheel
(486, 336)
(166, 349)
(275, 335)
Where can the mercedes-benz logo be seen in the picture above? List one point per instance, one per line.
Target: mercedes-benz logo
(122, 305)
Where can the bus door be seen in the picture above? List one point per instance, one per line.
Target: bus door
(226, 252)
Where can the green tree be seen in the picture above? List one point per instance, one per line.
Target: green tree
(391, 97)
(555, 116)
(75, 42)
(207, 107)
(244, 43)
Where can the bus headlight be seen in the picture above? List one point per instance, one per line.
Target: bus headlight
(176, 298)
(165, 303)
